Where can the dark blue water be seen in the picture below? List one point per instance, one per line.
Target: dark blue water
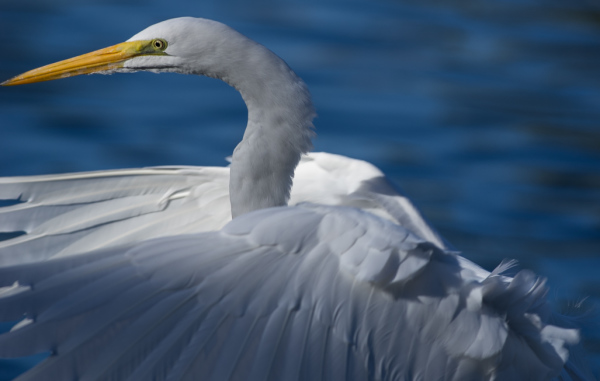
(486, 113)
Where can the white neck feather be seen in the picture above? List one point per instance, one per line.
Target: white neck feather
(279, 130)
(280, 111)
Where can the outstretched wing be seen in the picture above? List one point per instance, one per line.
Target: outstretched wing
(60, 215)
(297, 293)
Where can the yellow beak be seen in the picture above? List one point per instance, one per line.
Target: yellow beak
(109, 58)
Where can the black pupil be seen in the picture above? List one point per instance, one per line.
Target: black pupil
(158, 44)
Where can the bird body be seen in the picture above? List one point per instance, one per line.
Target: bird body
(142, 274)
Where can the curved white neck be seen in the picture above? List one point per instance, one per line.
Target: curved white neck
(279, 130)
(280, 111)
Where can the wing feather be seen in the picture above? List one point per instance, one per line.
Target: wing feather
(245, 304)
(61, 215)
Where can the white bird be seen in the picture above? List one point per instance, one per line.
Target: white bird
(140, 274)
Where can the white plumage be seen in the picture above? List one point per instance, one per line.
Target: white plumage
(141, 275)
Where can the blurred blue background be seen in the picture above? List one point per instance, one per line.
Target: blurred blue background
(485, 112)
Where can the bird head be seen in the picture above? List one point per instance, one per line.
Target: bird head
(186, 45)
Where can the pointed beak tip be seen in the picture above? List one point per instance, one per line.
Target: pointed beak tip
(11, 82)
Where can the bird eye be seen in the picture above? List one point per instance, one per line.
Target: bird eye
(159, 44)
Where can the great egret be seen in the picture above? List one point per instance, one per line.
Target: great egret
(135, 290)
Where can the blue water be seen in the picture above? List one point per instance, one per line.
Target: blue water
(485, 112)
